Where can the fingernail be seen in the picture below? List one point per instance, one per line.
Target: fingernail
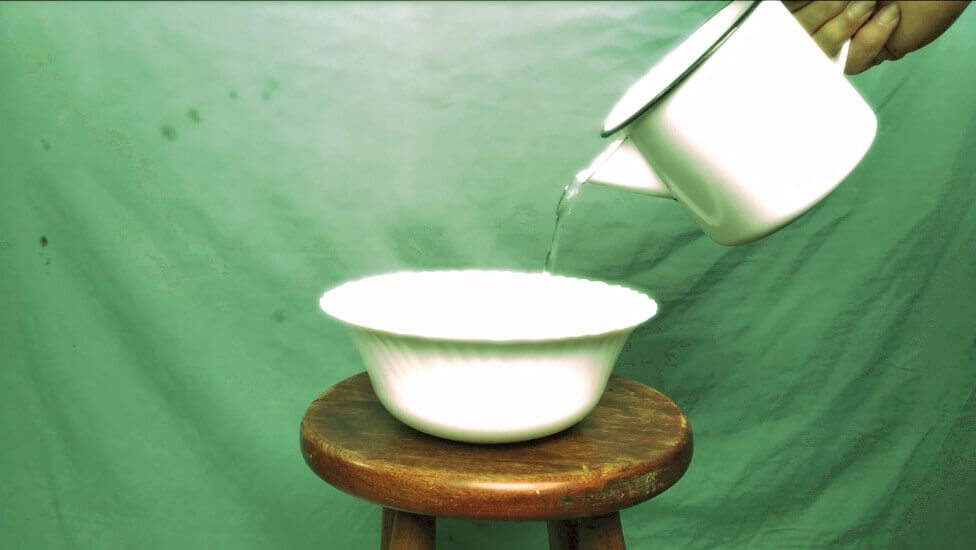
(860, 8)
(889, 15)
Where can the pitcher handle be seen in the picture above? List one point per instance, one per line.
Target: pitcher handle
(841, 58)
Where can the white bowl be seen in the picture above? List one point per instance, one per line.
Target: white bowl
(487, 356)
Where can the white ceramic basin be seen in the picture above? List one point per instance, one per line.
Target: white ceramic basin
(487, 356)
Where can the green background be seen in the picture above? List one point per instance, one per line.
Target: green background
(202, 172)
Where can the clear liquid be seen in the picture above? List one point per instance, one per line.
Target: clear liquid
(563, 209)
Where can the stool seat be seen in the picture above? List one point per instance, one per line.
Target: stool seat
(635, 444)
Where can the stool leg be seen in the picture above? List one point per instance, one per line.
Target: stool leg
(601, 532)
(412, 532)
(388, 515)
(562, 535)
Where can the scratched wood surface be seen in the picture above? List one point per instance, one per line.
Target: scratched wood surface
(634, 445)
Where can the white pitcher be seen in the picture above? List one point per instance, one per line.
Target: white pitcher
(747, 124)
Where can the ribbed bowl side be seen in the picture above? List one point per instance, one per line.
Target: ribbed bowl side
(488, 392)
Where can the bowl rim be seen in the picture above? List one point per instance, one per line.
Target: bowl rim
(651, 305)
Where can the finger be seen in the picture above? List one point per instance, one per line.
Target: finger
(885, 55)
(921, 23)
(868, 43)
(832, 35)
(813, 15)
(794, 5)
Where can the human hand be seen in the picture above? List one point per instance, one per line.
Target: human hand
(833, 23)
(921, 23)
(879, 31)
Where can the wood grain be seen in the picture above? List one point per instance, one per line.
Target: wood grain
(635, 444)
(387, 528)
(412, 532)
(601, 532)
(563, 535)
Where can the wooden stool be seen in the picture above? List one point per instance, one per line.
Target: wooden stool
(634, 445)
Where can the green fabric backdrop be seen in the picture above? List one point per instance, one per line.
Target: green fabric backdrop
(179, 183)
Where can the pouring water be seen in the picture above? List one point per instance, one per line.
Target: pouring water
(563, 208)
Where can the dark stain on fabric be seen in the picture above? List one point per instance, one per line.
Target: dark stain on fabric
(278, 316)
(232, 94)
(45, 145)
(43, 240)
(193, 115)
(168, 132)
(270, 86)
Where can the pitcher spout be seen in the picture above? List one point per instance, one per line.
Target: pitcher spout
(622, 165)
